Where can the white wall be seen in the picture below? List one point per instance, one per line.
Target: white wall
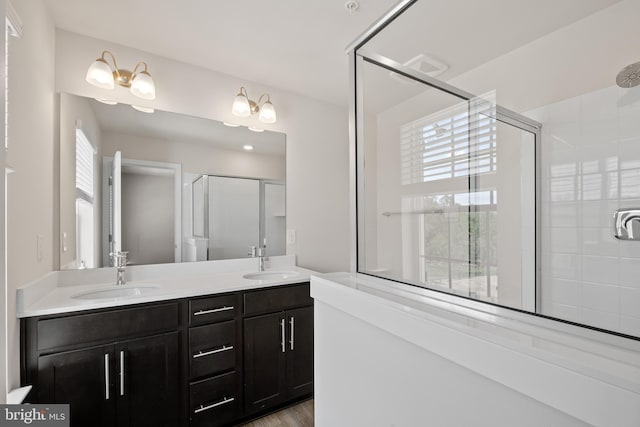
(317, 147)
(31, 206)
(365, 376)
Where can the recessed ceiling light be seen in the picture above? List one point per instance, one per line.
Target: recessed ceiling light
(106, 101)
(142, 109)
(231, 125)
(248, 147)
(255, 129)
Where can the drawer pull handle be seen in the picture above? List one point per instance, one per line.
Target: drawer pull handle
(293, 331)
(210, 352)
(282, 334)
(224, 401)
(122, 373)
(106, 376)
(214, 310)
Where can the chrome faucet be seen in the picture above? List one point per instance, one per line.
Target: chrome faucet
(262, 253)
(119, 260)
(259, 252)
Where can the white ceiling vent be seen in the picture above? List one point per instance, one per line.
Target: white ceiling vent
(424, 64)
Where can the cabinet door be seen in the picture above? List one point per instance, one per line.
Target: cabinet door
(84, 380)
(264, 361)
(299, 352)
(147, 381)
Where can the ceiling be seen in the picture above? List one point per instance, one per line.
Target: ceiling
(295, 45)
(300, 45)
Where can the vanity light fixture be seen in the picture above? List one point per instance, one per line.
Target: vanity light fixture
(106, 101)
(247, 147)
(142, 109)
(244, 107)
(101, 74)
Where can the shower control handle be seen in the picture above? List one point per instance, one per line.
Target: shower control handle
(624, 220)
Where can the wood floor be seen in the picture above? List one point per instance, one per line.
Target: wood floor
(300, 415)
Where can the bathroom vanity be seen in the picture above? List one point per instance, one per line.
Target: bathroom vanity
(203, 355)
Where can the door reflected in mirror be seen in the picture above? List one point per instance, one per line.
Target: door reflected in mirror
(167, 214)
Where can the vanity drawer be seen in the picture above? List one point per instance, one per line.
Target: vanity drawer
(276, 299)
(212, 348)
(106, 326)
(213, 402)
(213, 309)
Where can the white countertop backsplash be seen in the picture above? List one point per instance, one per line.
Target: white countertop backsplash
(53, 293)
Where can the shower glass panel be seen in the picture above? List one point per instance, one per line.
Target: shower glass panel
(448, 190)
(497, 155)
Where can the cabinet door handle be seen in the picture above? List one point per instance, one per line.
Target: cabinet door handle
(224, 401)
(213, 310)
(210, 352)
(121, 372)
(282, 334)
(291, 320)
(106, 376)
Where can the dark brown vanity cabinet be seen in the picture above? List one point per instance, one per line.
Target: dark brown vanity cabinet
(278, 346)
(199, 362)
(108, 377)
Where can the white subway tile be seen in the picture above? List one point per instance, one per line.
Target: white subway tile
(599, 242)
(601, 297)
(600, 269)
(630, 271)
(630, 301)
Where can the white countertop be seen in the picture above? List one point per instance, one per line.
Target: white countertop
(54, 293)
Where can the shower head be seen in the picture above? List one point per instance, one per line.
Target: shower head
(629, 76)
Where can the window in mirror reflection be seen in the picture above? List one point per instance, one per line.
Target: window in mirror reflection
(85, 197)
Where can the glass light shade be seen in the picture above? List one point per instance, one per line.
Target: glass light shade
(142, 86)
(241, 107)
(267, 113)
(100, 74)
(252, 129)
(142, 109)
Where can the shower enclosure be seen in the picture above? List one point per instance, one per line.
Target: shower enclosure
(501, 169)
(231, 214)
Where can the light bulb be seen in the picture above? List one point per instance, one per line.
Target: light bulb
(248, 147)
(100, 74)
(267, 113)
(142, 86)
(241, 107)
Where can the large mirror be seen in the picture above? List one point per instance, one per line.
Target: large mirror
(191, 189)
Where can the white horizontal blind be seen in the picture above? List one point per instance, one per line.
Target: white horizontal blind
(448, 144)
(84, 166)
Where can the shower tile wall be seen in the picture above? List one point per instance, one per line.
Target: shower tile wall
(590, 168)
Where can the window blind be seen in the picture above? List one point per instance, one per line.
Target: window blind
(84, 166)
(451, 143)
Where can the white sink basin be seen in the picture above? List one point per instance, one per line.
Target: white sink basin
(123, 291)
(271, 275)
